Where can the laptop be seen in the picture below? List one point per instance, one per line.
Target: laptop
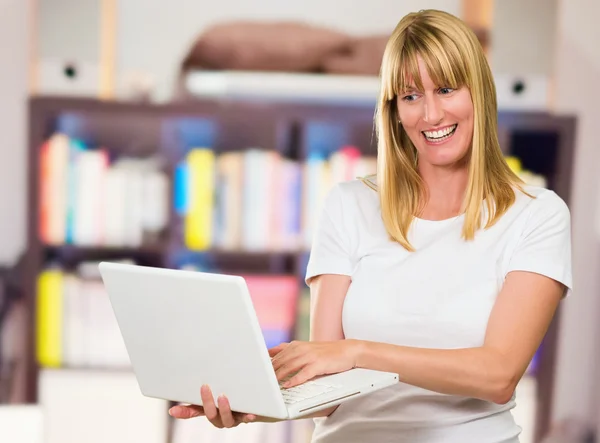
(183, 329)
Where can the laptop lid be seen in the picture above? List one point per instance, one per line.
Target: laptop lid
(183, 329)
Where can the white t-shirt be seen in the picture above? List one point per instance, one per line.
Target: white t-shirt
(438, 297)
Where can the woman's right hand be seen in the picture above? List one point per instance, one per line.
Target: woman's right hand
(220, 415)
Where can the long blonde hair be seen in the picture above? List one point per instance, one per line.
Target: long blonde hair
(454, 59)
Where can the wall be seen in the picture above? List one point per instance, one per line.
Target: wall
(577, 68)
(14, 59)
(523, 37)
(154, 35)
(68, 28)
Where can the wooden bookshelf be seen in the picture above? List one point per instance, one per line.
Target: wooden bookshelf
(137, 129)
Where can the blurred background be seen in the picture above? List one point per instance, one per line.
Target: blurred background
(203, 135)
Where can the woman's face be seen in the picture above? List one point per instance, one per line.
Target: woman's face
(438, 120)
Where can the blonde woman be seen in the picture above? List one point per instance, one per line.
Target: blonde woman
(443, 268)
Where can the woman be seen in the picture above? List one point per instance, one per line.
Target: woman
(444, 268)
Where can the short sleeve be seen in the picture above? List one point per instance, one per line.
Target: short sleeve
(545, 243)
(331, 245)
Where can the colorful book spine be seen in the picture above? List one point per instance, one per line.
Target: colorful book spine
(49, 318)
(198, 222)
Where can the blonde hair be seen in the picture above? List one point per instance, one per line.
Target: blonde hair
(454, 58)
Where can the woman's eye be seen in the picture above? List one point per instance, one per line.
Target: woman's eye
(409, 98)
(446, 90)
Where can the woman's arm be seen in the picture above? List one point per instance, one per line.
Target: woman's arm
(327, 294)
(518, 322)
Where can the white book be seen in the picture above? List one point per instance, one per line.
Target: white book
(317, 183)
(339, 165)
(115, 204)
(291, 200)
(75, 322)
(155, 206)
(255, 201)
(56, 189)
(230, 185)
(90, 169)
(134, 210)
(270, 195)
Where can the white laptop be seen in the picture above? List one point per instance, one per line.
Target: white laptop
(183, 329)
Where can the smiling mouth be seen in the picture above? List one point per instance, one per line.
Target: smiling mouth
(441, 135)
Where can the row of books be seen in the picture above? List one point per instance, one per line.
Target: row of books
(250, 200)
(89, 199)
(76, 326)
(258, 200)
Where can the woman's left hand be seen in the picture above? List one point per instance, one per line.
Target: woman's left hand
(310, 359)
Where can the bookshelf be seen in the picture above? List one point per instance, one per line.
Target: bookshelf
(295, 130)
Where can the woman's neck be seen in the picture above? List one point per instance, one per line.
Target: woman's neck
(445, 191)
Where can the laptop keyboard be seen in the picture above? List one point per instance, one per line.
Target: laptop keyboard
(306, 391)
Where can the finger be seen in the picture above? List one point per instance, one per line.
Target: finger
(305, 374)
(290, 368)
(277, 349)
(283, 358)
(225, 412)
(210, 409)
(248, 418)
(184, 412)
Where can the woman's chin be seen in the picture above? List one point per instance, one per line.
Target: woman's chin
(444, 161)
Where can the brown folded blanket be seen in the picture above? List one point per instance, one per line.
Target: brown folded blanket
(258, 46)
(287, 47)
(364, 58)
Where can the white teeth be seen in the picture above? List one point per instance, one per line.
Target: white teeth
(440, 134)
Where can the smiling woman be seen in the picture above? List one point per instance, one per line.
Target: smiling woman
(443, 268)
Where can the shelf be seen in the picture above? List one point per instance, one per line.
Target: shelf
(95, 369)
(285, 86)
(72, 255)
(225, 260)
(243, 262)
(93, 251)
(514, 91)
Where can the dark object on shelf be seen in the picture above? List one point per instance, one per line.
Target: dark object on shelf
(287, 46)
(11, 325)
(261, 46)
(363, 58)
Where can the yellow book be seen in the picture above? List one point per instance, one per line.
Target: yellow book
(514, 163)
(49, 318)
(198, 223)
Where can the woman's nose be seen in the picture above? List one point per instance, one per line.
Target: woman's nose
(433, 112)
